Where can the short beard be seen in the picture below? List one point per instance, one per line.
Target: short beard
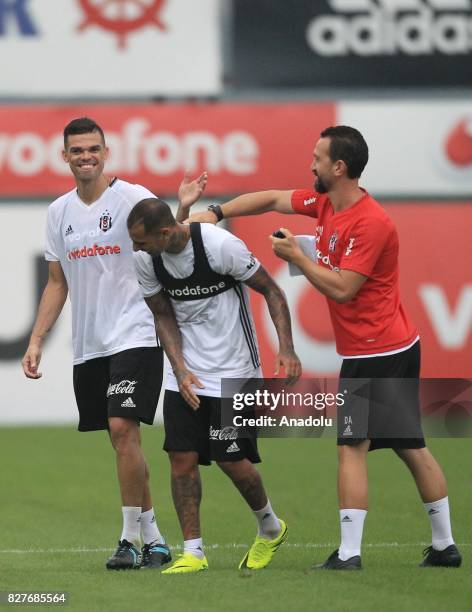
(320, 187)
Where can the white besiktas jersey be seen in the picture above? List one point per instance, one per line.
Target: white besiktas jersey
(92, 244)
(218, 333)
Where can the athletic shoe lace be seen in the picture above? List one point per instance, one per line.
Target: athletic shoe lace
(147, 550)
(123, 549)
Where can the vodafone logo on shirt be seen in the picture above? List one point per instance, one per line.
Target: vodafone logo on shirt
(93, 251)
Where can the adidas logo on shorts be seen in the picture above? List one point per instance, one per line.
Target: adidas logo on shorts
(233, 448)
(128, 403)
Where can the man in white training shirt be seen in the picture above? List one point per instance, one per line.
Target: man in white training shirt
(117, 362)
(202, 272)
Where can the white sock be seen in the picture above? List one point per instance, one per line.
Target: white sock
(268, 525)
(149, 530)
(352, 524)
(438, 513)
(131, 523)
(194, 547)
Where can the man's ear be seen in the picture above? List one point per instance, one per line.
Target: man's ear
(340, 168)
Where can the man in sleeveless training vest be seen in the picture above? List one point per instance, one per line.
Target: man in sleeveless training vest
(201, 271)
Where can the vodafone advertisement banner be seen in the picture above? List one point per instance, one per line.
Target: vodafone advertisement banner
(109, 48)
(243, 147)
(416, 148)
(436, 288)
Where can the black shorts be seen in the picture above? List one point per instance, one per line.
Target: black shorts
(382, 401)
(127, 384)
(201, 431)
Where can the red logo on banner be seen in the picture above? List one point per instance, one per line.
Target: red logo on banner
(459, 143)
(121, 16)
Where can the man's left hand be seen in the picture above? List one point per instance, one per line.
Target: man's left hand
(286, 248)
(190, 191)
(291, 364)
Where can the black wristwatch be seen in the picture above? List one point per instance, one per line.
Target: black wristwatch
(216, 209)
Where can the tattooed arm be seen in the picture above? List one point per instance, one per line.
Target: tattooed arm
(171, 339)
(261, 282)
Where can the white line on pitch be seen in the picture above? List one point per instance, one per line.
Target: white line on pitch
(223, 546)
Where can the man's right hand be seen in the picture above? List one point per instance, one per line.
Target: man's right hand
(30, 361)
(202, 217)
(186, 380)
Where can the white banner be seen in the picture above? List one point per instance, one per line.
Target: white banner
(49, 399)
(416, 148)
(80, 48)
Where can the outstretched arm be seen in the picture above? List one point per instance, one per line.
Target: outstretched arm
(189, 193)
(171, 339)
(50, 306)
(261, 282)
(250, 204)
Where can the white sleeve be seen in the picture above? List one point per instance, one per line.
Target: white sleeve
(142, 193)
(51, 252)
(135, 193)
(233, 258)
(145, 273)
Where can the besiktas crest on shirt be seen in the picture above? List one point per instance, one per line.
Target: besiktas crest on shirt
(332, 242)
(105, 221)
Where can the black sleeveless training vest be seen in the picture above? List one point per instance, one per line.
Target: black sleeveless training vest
(203, 283)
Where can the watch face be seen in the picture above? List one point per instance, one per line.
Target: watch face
(216, 210)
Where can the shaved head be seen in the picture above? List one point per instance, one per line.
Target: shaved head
(153, 213)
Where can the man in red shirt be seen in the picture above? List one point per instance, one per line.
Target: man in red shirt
(357, 271)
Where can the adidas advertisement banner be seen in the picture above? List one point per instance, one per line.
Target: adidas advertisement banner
(346, 408)
(352, 43)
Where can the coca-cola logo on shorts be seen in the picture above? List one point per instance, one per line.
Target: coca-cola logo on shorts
(124, 386)
(227, 433)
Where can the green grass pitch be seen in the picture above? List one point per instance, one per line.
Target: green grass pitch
(61, 518)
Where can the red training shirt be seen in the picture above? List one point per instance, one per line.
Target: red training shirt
(364, 239)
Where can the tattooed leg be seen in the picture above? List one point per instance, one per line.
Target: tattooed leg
(186, 492)
(247, 480)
